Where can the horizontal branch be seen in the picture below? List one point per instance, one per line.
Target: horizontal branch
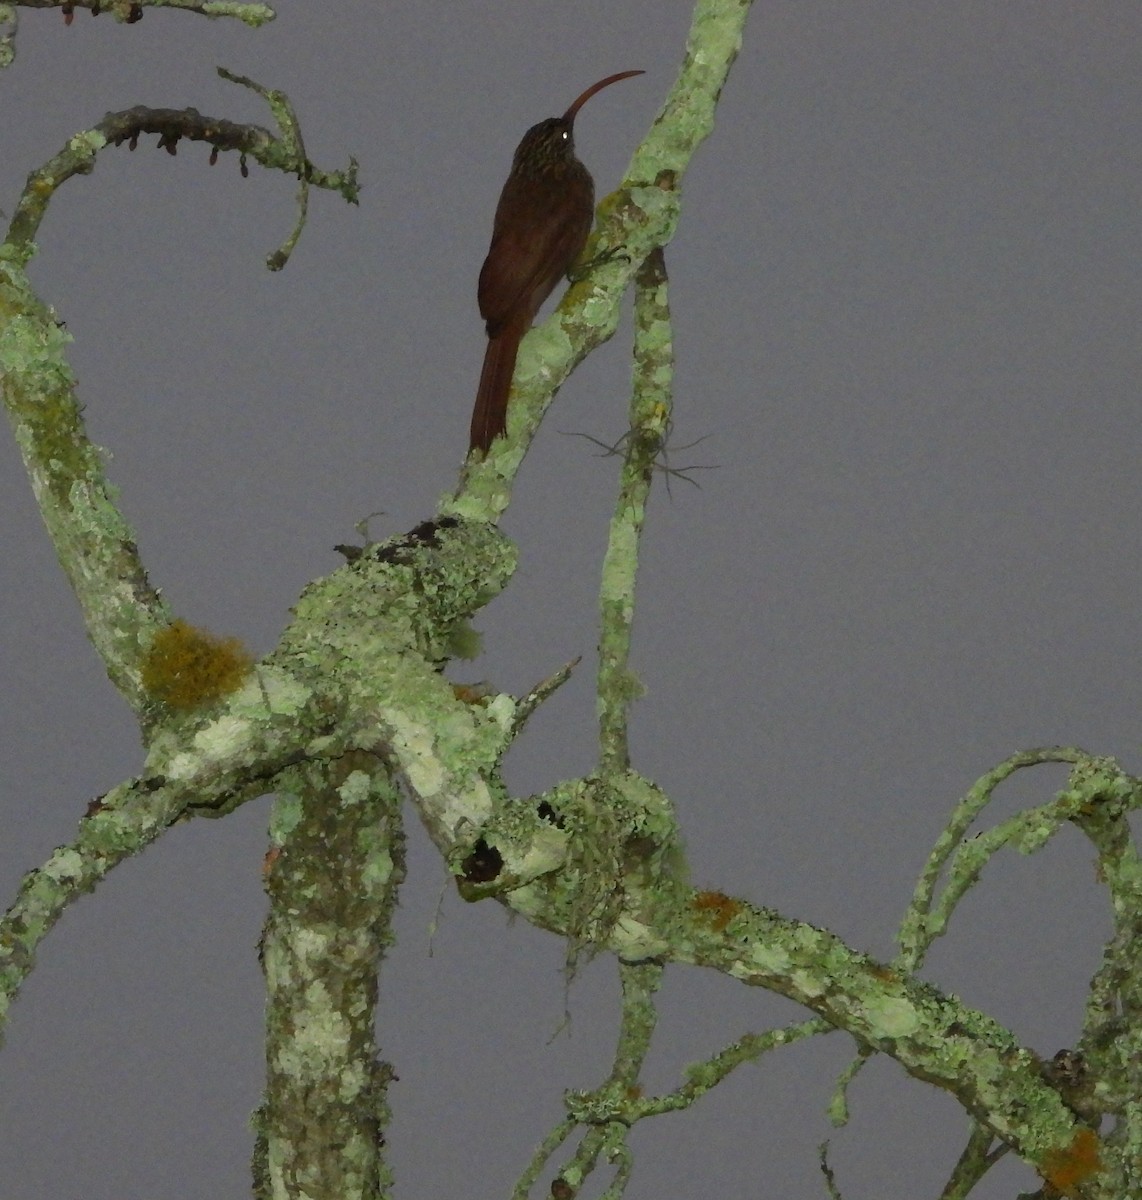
(284, 153)
(598, 861)
(224, 762)
(132, 10)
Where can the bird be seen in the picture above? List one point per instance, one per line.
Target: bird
(542, 222)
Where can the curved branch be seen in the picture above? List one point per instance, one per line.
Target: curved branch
(284, 153)
(295, 160)
(94, 543)
(976, 1159)
(927, 918)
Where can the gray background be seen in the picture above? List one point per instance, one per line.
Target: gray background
(907, 297)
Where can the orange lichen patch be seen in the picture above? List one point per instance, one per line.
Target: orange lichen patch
(470, 693)
(884, 974)
(1066, 1169)
(188, 668)
(718, 907)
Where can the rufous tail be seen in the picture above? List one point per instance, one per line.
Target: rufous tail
(489, 417)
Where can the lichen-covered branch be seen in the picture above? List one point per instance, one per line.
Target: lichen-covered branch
(335, 863)
(701, 1077)
(1104, 1072)
(8, 22)
(974, 1162)
(354, 670)
(649, 421)
(377, 629)
(933, 1036)
(541, 692)
(294, 159)
(550, 858)
(227, 760)
(926, 918)
(647, 911)
(93, 542)
(639, 1017)
(638, 217)
(604, 1110)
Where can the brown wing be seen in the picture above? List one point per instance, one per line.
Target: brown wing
(538, 233)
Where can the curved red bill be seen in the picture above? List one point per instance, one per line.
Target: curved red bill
(569, 115)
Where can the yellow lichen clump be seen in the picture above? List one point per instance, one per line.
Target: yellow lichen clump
(1066, 1169)
(189, 668)
(718, 908)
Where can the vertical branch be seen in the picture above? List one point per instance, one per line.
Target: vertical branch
(1110, 1050)
(335, 863)
(649, 420)
(973, 1164)
(640, 982)
(8, 20)
(604, 1111)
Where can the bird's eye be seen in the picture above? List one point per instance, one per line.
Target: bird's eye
(564, 134)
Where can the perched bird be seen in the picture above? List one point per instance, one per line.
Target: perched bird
(542, 222)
